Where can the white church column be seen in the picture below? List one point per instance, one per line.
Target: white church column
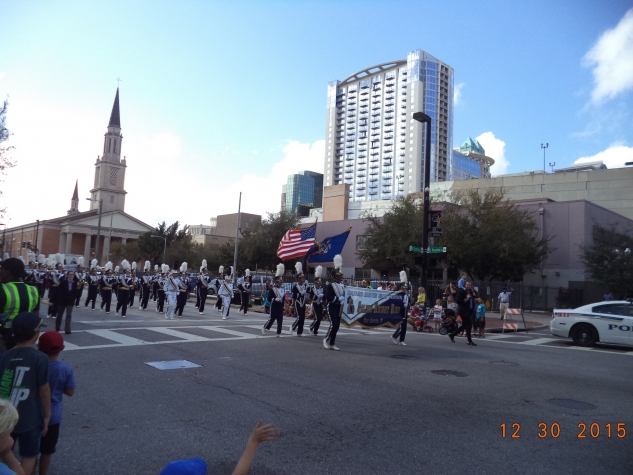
(87, 250)
(106, 248)
(69, 243)
(62, 243)
(123, 241)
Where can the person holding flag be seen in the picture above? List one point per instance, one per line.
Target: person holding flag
(299, 294)
(276, 299)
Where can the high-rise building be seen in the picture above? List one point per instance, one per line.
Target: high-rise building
(470, 161)
(372, 142)
(303, 190)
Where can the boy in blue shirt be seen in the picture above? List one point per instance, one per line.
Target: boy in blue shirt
(481, 317)
(62, 381)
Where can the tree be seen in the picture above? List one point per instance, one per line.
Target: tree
(258, 248)
(388, 238)
(490, 237)
(179, 245)
(608, 261)
(5, 158)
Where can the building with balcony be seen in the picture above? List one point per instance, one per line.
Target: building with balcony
(372, 142)
(469, 162)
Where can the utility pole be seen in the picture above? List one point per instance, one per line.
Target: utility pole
(544, 147)
(425, 119)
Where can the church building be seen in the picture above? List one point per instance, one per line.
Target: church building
(77, 233)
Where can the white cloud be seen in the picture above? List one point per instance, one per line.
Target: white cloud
(613, 157)
(457, 93)
(2, 75)
(612, 60)
(495, 148)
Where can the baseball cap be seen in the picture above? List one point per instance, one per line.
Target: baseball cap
(27, 321)
(186, 467)
(51, 343)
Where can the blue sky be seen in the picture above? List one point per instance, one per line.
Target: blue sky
(222, 97)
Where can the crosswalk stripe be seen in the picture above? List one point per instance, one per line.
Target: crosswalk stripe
(498, 337)
(232, 332)
(537, 341)
(118, 337)
(179, 334)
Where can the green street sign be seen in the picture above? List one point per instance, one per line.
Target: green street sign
(432, 250)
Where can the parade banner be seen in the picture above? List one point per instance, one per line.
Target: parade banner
(371, 308)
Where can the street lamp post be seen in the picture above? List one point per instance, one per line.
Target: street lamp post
(552, 165)
(423, 118)
(164, 246)
(544, 147)
(97, 245)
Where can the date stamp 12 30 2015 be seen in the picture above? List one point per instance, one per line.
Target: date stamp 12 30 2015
(583, 430)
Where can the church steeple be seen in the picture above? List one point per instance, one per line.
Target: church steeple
(115, 116)
(110, 168)
(74, 202)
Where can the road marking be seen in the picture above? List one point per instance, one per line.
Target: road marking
(499, 337)
(179, 334)
(231, 332)
(537, 341)
(118, 337)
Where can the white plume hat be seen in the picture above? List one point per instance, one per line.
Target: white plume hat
(221, 270)
(204, 264)
(125, 264)
(41, 259)
(164, 268)
(31, 257)
(58, 258)
(147, 266)
(299, 267)
(280, 270)
(247, 272)
(80, 261)
(108, 266)
(116, 269)
(338, 262)
(156, 268)
(318, 272)
(93, 263)
(403, 276)
(134, 265)
(183, 267)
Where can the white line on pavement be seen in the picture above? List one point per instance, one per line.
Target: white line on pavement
(118, 337)
(231, 332)
(179, 334)
(537, 341)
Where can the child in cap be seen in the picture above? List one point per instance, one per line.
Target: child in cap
(62, 381)
(9, 465)
(24, 382)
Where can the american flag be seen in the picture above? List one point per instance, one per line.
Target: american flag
(296, 243)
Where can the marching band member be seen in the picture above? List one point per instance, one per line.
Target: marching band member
(125, 282)
(401, 331)
(55, 275)
(161, 281)
(171, 288)
(204, 280)
(276, 298)
(335, 298)
(134, 285)
(107, 282)
(115, 286)
(80, 275)
(146, 285)
(183, 290)
(299, 293)
(225, 292)
(316, 295)
(155, 283)
(245, 291)
(93, 284)
(218, 282)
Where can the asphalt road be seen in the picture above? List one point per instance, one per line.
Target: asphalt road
(431, 407)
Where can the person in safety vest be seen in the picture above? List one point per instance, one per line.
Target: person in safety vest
(15, 297)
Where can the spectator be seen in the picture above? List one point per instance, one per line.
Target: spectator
(9, 465)
(414, 314)
(261, 433)
(608, 296)
(66, 296)
(504, 302)
(437, 313)
(481, 317)
(61, 381)
(15, 296)
(451, 305)
(461, 283)
(421, 297)
(25, 382)
(466, 304)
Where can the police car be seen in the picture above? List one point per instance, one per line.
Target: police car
(604, 322)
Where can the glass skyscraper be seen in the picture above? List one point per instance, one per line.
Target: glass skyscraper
(470, 161)
(372, 142)
(303, 191)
